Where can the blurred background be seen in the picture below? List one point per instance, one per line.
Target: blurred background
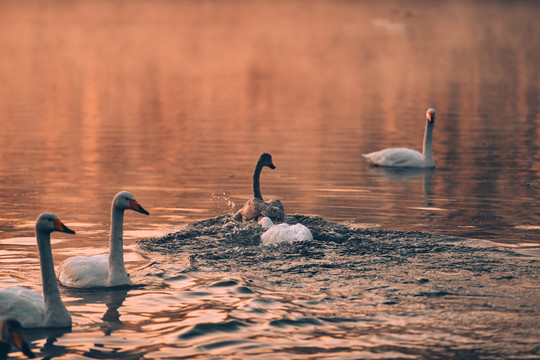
(175, 101)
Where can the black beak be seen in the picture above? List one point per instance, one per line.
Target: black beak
(68, 230)
(272, 166)
(20, 342)
(27, 351)
(141, 210)
(134, 205)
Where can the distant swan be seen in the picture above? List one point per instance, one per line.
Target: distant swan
(31, 308)
(401, 157)
(11, 333)
(256, 208)
(283, 233)
(103, 270)
(396, 22)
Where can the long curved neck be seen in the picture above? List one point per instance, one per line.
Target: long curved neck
(428, 135)
(54, 307)
(256, 183)
(117, 270)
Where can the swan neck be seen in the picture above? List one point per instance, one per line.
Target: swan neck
(428, 135)
(117, 270)
(51, 294)
(256, 181)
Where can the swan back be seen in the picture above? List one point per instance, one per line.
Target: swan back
(285, 233)
(23, 304)
(84, 271)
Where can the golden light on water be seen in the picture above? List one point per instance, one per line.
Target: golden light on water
(174, 101)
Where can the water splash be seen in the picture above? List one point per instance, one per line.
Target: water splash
(223, 201)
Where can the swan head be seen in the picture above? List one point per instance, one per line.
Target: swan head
(430, 115)
(11, 331)
(266, 160)
(48, 223)
(125, 201)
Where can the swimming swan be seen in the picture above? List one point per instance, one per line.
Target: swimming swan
(103, 270)
(31, 308)
(11, 333)
(402, 157)
(256, 208)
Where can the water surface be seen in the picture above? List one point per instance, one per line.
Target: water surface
(175, 101)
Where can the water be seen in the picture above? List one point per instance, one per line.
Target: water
(174, 101)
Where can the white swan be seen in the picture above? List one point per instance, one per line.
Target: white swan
(103, 270)
(396, 23)
(256, 208)
(283, 233)
(31, 308)
(401, 157)
(11, 333)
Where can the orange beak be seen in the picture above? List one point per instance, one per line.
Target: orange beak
(20, 342)
(59, 226)
(138, 208)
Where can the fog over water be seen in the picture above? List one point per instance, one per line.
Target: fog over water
(174, 101)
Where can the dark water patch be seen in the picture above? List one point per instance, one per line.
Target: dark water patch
(198, 294)
(302, 322)
(227, 283)
(434, 293)
(243, 290)
(209, 328)
(340, 320)
(223, 344)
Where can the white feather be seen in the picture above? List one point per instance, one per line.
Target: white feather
(285, 233)
(85, 271)
(23, 304)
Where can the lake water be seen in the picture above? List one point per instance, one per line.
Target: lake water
(175, 101)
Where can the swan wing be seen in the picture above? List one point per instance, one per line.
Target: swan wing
(252, 209)
(23, 304)
(398, 157)
(284, 233)
(274, 210)
(85, 271)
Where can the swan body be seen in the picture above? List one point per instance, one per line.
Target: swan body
(256, 208)
(396, 23)
(402, 157)
(31, 308)
(284, 233)
(11, 333)
(103, 270)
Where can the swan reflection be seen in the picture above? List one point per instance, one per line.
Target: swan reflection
(393, 174)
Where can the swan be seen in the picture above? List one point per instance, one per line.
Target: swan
(401, 157)
(31, 308)
(392, 24)
(256, 208)
(103, 270)
(283, 233)
(11, 333)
